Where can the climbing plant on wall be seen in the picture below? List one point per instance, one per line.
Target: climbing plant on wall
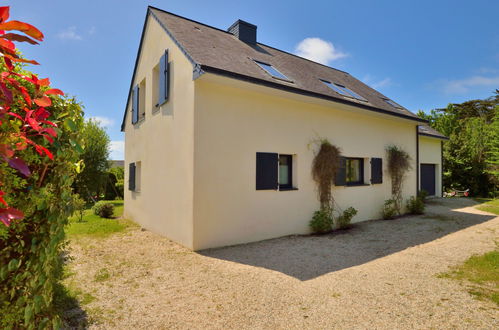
(399, 163)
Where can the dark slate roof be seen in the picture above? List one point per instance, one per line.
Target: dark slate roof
(428, 131)
(220, 52)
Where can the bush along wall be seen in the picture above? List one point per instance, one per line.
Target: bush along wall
(39, 148)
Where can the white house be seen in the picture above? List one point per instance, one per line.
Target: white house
(217, 132)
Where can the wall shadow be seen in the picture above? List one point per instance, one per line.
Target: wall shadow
(307, 257)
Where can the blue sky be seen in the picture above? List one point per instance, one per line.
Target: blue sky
(423, 54)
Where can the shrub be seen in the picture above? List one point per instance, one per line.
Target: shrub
(344, 220)
(79, 206)
(423, 194)
(322, 222)
(389, 209)
(103, 209)
(415, 205)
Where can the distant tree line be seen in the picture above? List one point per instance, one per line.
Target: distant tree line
(97, 180)
(471, 156)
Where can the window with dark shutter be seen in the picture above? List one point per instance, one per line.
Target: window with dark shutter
(267, 165)
(341, 174)
(135, 104)
(376, 170)
(164, 79)
(131, 176)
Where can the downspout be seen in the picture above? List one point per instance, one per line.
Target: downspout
(441, 168)
(417, 159)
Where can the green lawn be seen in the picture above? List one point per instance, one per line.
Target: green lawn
(95, 226)
(482, 274)
(490, 205)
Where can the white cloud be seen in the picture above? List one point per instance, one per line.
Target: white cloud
(69, 34)
(117, 150)
(318, 50)
(104, 121)
(461, 86)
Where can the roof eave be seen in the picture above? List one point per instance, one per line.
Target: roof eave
(441, 137)
(230, 74)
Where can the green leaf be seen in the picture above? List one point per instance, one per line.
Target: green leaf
(70, 125)
(28, 314)
(13, 264)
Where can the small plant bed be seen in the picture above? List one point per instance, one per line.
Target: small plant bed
(480, 274)
(95, 226)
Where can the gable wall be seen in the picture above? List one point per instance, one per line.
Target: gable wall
(233, 124)
(163, 143)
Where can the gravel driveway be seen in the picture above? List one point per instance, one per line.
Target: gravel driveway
(381, 274)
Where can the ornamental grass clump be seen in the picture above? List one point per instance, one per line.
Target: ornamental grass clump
(399, 162)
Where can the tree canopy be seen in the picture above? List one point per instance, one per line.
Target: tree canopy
(92, 179)
(471, 156)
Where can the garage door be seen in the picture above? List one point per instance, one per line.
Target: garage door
(428, 178)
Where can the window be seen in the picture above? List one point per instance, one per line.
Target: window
(342, 90)
(155, 91)
(272, 71)
(393, 104)
(285, 171)
(142, 99)
(354, 171)
(274, 171)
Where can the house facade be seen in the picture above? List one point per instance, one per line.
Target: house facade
(219, 133)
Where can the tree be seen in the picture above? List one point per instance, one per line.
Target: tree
(92, 180)
(471, 156)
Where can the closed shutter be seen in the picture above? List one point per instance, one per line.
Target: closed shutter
(376, 170)
(266, 170)
(164, 78)
(341, 174)
(131, 177)
(135, 104)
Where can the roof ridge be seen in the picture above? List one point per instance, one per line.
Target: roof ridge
(218, 29)
(188, 19)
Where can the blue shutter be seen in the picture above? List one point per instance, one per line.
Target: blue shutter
(131, 176)
(267, 166)
(164, 76)
(376, 170)
(135, 104)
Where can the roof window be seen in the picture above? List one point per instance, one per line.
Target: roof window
(393, 104)
(272, 71)
(342, 90)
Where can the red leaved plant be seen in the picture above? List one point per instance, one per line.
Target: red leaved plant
(27, 105)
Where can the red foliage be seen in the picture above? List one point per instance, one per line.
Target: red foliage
(17, 102)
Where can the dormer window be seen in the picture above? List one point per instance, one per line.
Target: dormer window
(393, 104)
(272, 71)
(342, 90)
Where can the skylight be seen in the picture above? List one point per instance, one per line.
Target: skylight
(272, 71)
(340, 89)
(393, 104)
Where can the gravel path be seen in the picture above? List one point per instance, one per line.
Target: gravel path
(381, 274)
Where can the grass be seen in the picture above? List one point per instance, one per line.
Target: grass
(97, 227)
(482, 273)
(490, 205)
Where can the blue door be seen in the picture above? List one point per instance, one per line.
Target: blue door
(428, 178)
